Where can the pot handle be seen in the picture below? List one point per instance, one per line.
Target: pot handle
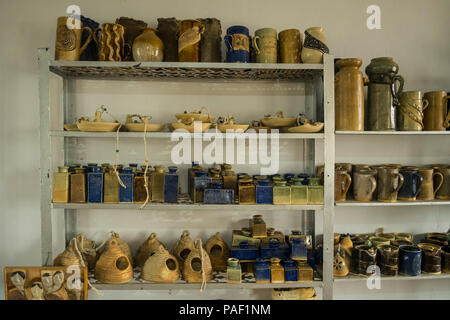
(88, 40)
(373, 182)
(399, 89)
(419, 183)
(228, 41)
(255, 44)
(400, 183)
(440, 182)
(447, 119)
(425, 103)
(348, 182)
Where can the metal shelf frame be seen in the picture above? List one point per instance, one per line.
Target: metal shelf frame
(319, 82)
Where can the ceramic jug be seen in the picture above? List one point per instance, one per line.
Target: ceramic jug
(444, 192)
(148, 47)
(314, 46)
(436, 117)
(410, 111)
(265, 45)
(349, 95)
(210, 44)
(237, 42)
(111, 42)
(411, 184)
(68, 39)
(383, 93)
(91, 51)
(342, 183)
(428, 190)
(133, 28)
(190, 34)
(389, 181)
(167, 32)
(364, 184)
(290, 43)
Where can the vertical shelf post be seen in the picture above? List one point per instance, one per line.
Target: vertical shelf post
(329, 154)
(45, 157)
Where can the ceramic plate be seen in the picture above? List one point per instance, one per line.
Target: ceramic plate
(307, 128)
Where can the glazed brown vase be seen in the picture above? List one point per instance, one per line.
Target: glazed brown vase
(148, 47)
(167, 32)
(290, 43)
(190, 34)
(349, 95)
(342, 181)
(211, 41)
(389, 181)
(436, 117)
(364, 184)
(133, 28)
(428, 189)
(68, 41)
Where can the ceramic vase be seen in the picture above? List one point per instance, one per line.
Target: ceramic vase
(148, 47)
(314, 46)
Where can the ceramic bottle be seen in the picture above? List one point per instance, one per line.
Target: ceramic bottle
(258, 226)
(290, 271)
(126, 195)
(61, 185)
(111, 186)
(314, 46)
(247, 191)
(199, 183)
(349, 95)
(234, 272)
(262, 271)
(95, 185)
(298, 250)
(157, 182)
(305, 272)
(78, 186)
(276, 271)
(315, 191)
(171, 185)
(148, 47)
(281, 193)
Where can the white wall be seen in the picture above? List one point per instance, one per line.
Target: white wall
(413, 32)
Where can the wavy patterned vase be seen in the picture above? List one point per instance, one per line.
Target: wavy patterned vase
(314, 46)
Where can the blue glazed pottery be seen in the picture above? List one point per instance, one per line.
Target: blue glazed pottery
(237, 42)
(409, 260)
(262, 271)
(305, 178)
(244, 251)
(126, 195)
(289, 176)
(311, 260)
(290, 271)
(298, 250)
(199, 183)
(214, 194)
(133, 166)
(95, 185)
(91, 51)
(275, 249)
(411, 184)
(264, 192)
(171, 186)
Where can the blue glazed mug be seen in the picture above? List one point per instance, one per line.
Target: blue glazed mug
(409, 260)
(411, 185)
(237, 41)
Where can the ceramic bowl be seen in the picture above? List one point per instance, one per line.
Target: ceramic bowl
(224, 127)
(190, 128)
(100, 126)
(278, 122)
(139, 127)
(307, 128)
(195, 116)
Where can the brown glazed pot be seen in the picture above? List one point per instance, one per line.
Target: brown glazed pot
(211, 42)
(290, 43)
(349, 95)
(436, 116)
(167, 32)
(429, 189)
(389, 181)
(342, 181)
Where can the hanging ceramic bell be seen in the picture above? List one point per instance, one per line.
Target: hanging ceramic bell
(122, 245)
(340, 266)
(197, 266)
(183, 248)
(113, 266)
(161, 267)
(218, 252)
(68, 257)
(147, 249)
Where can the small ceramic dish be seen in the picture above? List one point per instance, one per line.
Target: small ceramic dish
(71, 127)
(190, 127)
(278, 121)
(136, 126)
(97, 125)
(195, 115)
(305, 125)
(227, 123)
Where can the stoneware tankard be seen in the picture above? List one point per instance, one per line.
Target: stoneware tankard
(68, 39)
(389, 181)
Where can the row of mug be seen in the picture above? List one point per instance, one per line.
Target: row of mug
(390, 182)
(191, 40)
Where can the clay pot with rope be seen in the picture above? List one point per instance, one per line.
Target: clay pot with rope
(161, 267)
(113, 266)
(183, 248)
(197, 266)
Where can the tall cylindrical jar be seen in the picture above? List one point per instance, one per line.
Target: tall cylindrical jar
(383, 93)
(349, 95)
(189, 37)
(314, 46)
(210, 44)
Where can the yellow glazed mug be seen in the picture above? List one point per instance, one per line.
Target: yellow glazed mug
(436, 117)
(265, 45)
(68, 39)
(290, 41)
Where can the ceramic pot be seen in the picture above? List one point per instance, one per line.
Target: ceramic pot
(411, 184)
(133, 28)
(349, 95)
(146, 249)
(429, 189)
(389, 181)
(122, 245)
(314, 46)
(68, 41)
(167, 32)
(237, 42)
(190, 34)
(388, 259)
(210, 44)
(383, 93)
(91, 51)
(111, 43)
(364, 184)
(342, 183)
(436, 117)
(410, 111)
(265, 45)
(363, 256)
(161, 267)
(290, 43)
(443, 193)
(113, 266)
(431, 258)
(197, 266)
(445, 259)
(183, 247)
(218, 252)
(410, 260)
(148, 47)
(340, 267)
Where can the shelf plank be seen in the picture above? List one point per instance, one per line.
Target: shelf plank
(168, 135)
(423, 276)
(414, 133)
(145, 70)
(186, 206)
(399, 203)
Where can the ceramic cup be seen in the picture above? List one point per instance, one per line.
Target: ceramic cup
(429, 189)
(290, 42)
(265, 45)
(389, 181)
(411, 184)
(68, 39)
(444, 192)
(237, 41)
(410, 111)
(364, 184)
(436, 116)
(342, 181)
(409, 260)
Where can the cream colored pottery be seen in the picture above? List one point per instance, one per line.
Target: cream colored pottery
(97, 125)
(307, 128)
(196, 116)
(136, 126)
(190, 127)
(278, 121)
(315, 54)
(148, 47)
(234, 127)
(71, 127)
